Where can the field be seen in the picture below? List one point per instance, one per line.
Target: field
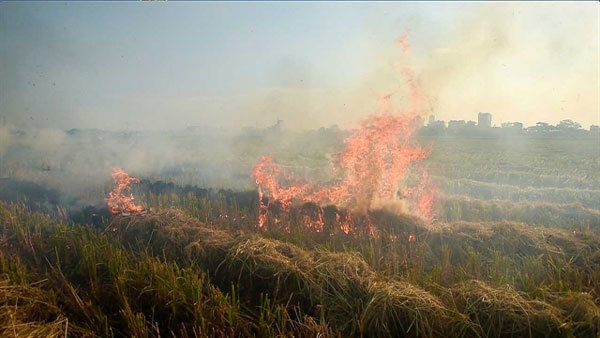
(513, 250)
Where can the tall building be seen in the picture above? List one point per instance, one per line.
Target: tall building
(484, 120)
(431, 120)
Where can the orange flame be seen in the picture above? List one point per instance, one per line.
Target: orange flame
(374, 161)
(376, 157)
(345, 223)
(117, 201)
(423, 196)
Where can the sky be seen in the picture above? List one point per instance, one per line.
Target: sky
(159, 65)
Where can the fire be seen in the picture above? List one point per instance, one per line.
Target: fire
(375, 159)
(265, 174)
(345, 223)
(117, 201)
(423, 196)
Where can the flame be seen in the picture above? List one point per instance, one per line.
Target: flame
(375, 159)
(313, 217)
(423, 196)
(345, 223)
(117, 201)
(266, 173)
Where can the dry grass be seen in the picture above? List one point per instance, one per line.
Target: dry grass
(28, 311)
(583, 315)
(517, 239)
(171, 233)
(267, 266)
(166, 274)
(401, 309)
(346, 292)
(504, 312)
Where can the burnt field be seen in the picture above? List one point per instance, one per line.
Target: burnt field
(299, 169)
(511, 248)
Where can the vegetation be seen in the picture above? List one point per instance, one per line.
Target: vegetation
(514, 252)
(164, 273)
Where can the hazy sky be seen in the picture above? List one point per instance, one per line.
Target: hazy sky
(132, 65)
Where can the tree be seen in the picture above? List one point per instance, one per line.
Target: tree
(568, 125)
(541, 127)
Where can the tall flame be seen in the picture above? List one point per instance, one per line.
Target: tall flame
(423, 197)
(117, 201)
(374, 161)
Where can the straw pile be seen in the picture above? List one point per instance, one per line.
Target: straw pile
(174, 235)
(504, 312)
(28, 311)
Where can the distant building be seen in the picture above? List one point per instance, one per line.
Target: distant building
(434, 127)
(512, 128)
(484, 128)
(484, 120)
(431, 120)
(455, 125)
(517, 126)
(439, 124)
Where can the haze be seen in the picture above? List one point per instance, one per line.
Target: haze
(137, 66)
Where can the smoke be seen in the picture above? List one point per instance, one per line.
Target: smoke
(521, 62)
(78, 163)
(5, 139)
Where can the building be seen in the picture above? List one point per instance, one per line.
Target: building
(438, 124)
(484, 120)
(431, 120)
(455, 125)
(516, 126)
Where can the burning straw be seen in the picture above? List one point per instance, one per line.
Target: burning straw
(117, 200)
(374, 162)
